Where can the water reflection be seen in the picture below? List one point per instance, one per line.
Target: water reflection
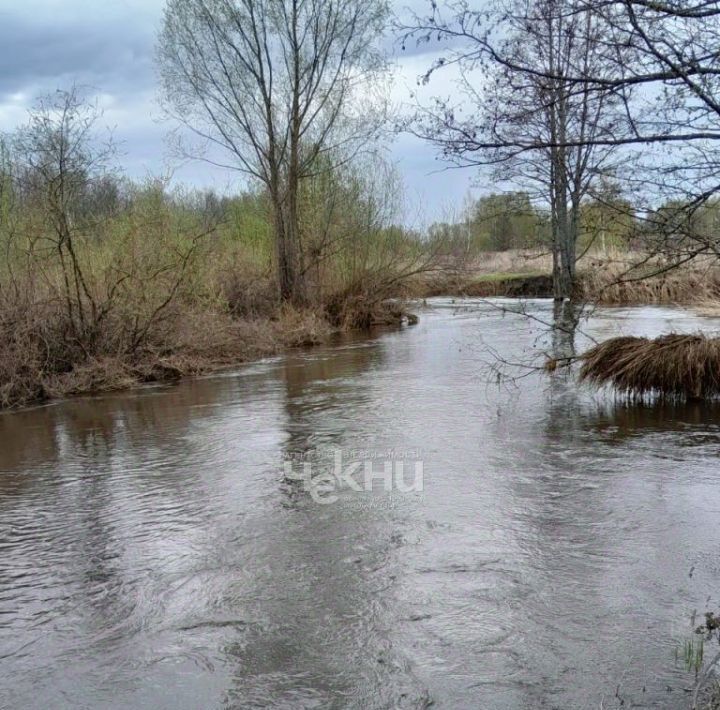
(693, 423)
(321, 393)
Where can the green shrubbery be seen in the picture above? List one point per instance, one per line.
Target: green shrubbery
(135, 280)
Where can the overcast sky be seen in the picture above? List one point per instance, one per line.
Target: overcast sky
(109, 45)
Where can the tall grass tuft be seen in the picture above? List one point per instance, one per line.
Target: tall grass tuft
(672, 366)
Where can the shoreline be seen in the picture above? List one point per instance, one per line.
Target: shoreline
(234, 342)
(250, 341)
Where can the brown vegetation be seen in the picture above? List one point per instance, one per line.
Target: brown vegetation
(152, 332)
(635, 279)
(671, 366)
(37, 363)
(611, 277)
(105, 283)
(508, 285)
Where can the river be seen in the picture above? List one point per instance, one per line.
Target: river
(534, 544)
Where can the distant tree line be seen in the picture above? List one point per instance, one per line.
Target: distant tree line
(510, 221)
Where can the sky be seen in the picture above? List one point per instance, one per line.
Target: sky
(108, 46)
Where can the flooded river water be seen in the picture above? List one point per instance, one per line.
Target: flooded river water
(545, 548)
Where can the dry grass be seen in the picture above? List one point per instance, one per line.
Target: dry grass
(707, 309)
(607, 277)
(247, 289)
(613, 276)
(513, 261)
(360, 311)
(37, 364)
(671, 366)
(512, 285)
(629, 279)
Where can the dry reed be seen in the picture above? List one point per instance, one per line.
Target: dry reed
(671, 366)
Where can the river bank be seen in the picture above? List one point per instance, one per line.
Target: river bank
(191, 342)
(610, 278)
(198, 343)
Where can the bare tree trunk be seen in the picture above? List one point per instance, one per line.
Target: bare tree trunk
(292, 221)
(298, 294)
(284, 274)
(289, 262)
(563, 235)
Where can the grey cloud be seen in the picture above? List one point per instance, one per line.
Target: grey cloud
(404, 12)
(109, 45)
(38, 54)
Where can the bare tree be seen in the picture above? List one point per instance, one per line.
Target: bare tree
(528, 116)
(276, 84)
(61, 168)
(675, 117)
(59, 158)
(660, 61)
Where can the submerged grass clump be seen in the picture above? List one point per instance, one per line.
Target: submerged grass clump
(671, 366)
(693, 652)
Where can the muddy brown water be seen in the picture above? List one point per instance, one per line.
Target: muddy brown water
(154, 553)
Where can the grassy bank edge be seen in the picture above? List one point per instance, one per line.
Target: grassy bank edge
(214, 343)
